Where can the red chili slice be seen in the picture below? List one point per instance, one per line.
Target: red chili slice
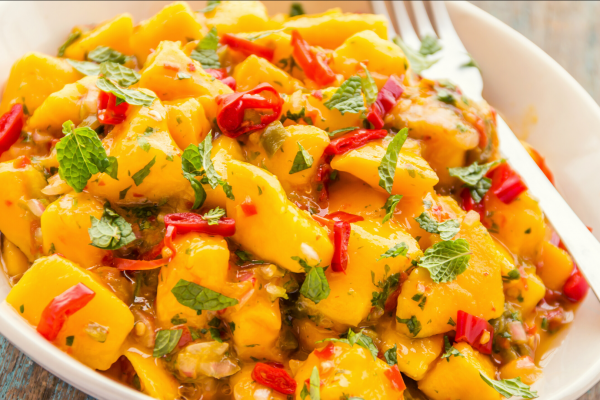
(473, 330)
(314, 64)
(275, 378)
(344, 216)
(11, 124)
(576, 286)
(327, 352)
(123, 264)
(354, 140)
(386, 99)
(221, 74)
(232, 110)
(507, 185)
(247, 47)
(393, 374)
(341, 238)
(61, 307)
(469, 204)
(190, 222)
(109, 112)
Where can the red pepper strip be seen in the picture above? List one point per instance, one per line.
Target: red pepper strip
(221, 74)
(393, 374)
(275, 378)
(323, 176)
(248, 207)
(186, 336)
(61, 307)
(344, 217)
(354, 140)
(11, 124)
(314, 65)
(231, 109)
(327, 352)
(124, 264)
(471, 329)
(190, 222)
(386, 99)
(469, 204)
(341, 238)
(576, 286)
(506, 183)
(109, 113)
(325, 222)
(247, 47)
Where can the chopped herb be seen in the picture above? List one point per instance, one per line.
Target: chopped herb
(528, 231)
(165, 342)
(214, 215)
(102, 53)
(296, 117)
(446, 260)
(451, 322)
(388, 285)
(139, 176)
(450, 350)
(129, 96)
(199, 298)
(401, 249)
(296, 9)
(430, 45)
(369, 87)
(447, 229)
(347, 97)
(390, 206)
(302, 161)
(391, 355)
(73, 36)
(178, 321)
(70, 340)
(445, 96)
(22, 307)
(315, 286)
(387, 167)
(123, 76)
(211, 5)
(418, 61)
(412, 323)
(85, 67)
(123, 192)
(510, 387)
(206, 51)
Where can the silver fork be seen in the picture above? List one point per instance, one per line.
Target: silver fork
(582, 245)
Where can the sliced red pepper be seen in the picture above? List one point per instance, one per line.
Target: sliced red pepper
(393, 374)
(276, 378)
(473, 330)
(232, 110)
(507, 185)
(314, 64)
(186, 336)
(11, 124)
(248, 207)
(61, 307)
(576, 287)
(354, 140)
(247, 47)
(221, 74)
(323, 176)
(341, 238)
(327, 352)
(386, 99)
(469, 204)
(109, 112)
(123, 264)
(190, 222)
(344, 217)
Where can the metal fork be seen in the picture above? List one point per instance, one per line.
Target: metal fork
(582, 245)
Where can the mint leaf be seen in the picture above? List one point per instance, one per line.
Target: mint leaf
(449, 350)
(445, 96)
(401, 249)
(472, 174)
(391, 356)
(356, 338)
(315, 286)
(199, 298)
(451, 322)
(102, 53)
(348, 97)
(123, 76)
(176, 320)
(296, 9)
(73, 36)
(304, 393)
(510, 387)
(211, 5)
(130, 96)
(111, 232)
(206, 51)
(446, 260)
(80, 155)
(315, 384)
(296, 117)
(387, 167)
(369, 86)
(165, 342)
(343, 130)
(412, 323)
(85, 67)
(390, 206)
(139, 176)
(430, 45)
(387, 286)
(214, 215)
(418, 62)
(302, 161)
(480, 189)
(447, 229)
(113, 168)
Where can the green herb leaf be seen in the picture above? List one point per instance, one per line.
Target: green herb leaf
(447, 229)
(176, 320)
(445, 96)
(471, 63)
(369, 87)
(315, 286)
(387, 167)
(102, 53)
(111, 232)
(80, 155)
(315, 385)
(123, 76)
(451, 322)
(401, 249)
(123, 193)
(143, 143)
(200, 298)
(343, 130)
(302, 161)
(139, 176)
(206, 51)
(73, 36)
(510, 387)
(69, 341)
(304, 393)
(480, 189)
(430, 45)
(296, 9)
(391, 356)
(472, 174)
(165, 342)
(211, 5)
(412, 323)
(85, 67)
(418, 61)
(387, 286)
(449, 350)
(296, 117)
(366, 342)
(390, 206)
(348, 97)
(215, 334)
(214, 215)
(130, 96)
(446, 260)
(183, 75)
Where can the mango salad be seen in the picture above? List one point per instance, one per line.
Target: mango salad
(223, 204)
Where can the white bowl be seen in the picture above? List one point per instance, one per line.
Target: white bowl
(521, 81)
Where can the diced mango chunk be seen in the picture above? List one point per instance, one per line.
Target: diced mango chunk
(256, 70)
(240, 16)
(65, 225)
(554, 265)
(522, 367)
(155, 381)
(15, 262)
(114, 33)
(224, 150)
(187, 121)
(33, 78)
(458, 377)
(279, 230)
(50, 276)
(354, 196)
(526, 292)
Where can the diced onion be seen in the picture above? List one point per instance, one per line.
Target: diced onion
(208, 358)
(36, 207)
(517, 332)
(56, 186)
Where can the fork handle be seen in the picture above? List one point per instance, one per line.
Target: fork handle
(580, 242)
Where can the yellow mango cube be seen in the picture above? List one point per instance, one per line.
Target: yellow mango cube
(279, 230)
(114, 33)
(256, 70)
(354, 196)
(50, 276)
(555, 266)
(18, 222)
(155, 380)
(458, 377)
(525, 293)
(163, 66)
(175, 22)
(187, 121)
(239, 16)
(224, 150)
(15, 262)
(34, 77)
